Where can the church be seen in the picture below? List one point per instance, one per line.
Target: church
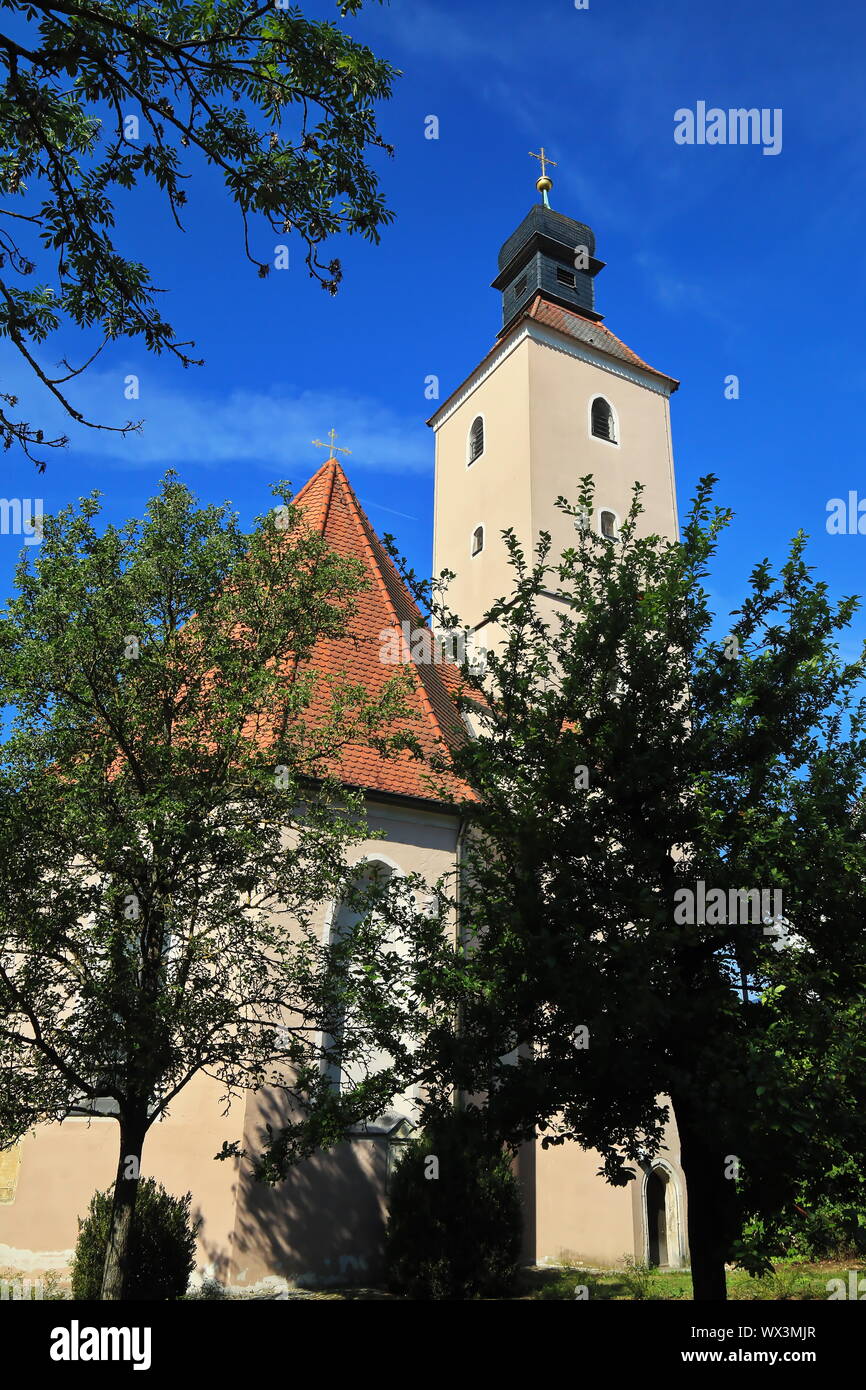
(557, 395)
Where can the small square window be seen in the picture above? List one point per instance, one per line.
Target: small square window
(97, 1107)
(565, 277)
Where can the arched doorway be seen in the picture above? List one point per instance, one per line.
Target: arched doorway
(657, 1198)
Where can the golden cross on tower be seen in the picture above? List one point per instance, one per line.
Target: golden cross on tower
(545, 183)
(334, 448)
(545, 160)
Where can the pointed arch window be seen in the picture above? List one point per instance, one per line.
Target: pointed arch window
(478, 540)
(476, 439)
(603, 424)
(350, 912)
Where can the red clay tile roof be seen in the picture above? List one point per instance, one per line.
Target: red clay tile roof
(331, 508)
(586, 331)
(573, 325)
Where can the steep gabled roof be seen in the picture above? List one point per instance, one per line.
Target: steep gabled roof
(331, 508)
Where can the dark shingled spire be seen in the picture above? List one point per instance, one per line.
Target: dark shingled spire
(551, 253)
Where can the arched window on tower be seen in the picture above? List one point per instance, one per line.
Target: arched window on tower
(478, 540)
(608, 526)
(603, 424)
(476, 439)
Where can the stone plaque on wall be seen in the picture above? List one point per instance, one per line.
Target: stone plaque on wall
(10, 1162)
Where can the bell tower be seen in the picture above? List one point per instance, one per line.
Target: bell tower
(557, 396)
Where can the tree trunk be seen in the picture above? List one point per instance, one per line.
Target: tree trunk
(115, 1274)
(710, 1200)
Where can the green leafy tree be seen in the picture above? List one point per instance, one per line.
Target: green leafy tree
(170, 825)
(100, 97)
(626, 755)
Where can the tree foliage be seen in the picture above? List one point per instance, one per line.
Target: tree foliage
(101, 97)
(628, 753)
(171, 823)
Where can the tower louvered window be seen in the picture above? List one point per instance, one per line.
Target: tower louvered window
(476, 439)
(602, 420)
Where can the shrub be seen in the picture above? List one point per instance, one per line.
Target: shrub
(454, 1227)
(162, 1245)
(637, 1277)
(828, 1230)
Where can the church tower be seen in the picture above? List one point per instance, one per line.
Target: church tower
(556, 397)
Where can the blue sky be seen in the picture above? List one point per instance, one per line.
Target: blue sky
(720, 260)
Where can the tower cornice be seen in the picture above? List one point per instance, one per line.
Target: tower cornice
(559, 340)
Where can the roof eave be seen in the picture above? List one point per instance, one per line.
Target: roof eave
(511, 330)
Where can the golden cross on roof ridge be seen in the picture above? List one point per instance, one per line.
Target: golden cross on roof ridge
(545, 160)
(334, 448)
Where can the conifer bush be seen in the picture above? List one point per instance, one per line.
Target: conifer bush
(162, 1245)
(455, 1223)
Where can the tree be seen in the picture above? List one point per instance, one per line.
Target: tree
(101, 95)
(170, 818)
(640, 782)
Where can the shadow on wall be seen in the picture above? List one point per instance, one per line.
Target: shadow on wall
(324, 1225)
(214, 1259)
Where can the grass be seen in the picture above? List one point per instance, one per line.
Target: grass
(791, 1279)
(633, 1282)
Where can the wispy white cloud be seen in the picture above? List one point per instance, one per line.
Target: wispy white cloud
(434, 31)
(377, 506)
(271, 429)
(672, 291)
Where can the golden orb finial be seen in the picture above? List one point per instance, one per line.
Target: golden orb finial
(545, 183)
